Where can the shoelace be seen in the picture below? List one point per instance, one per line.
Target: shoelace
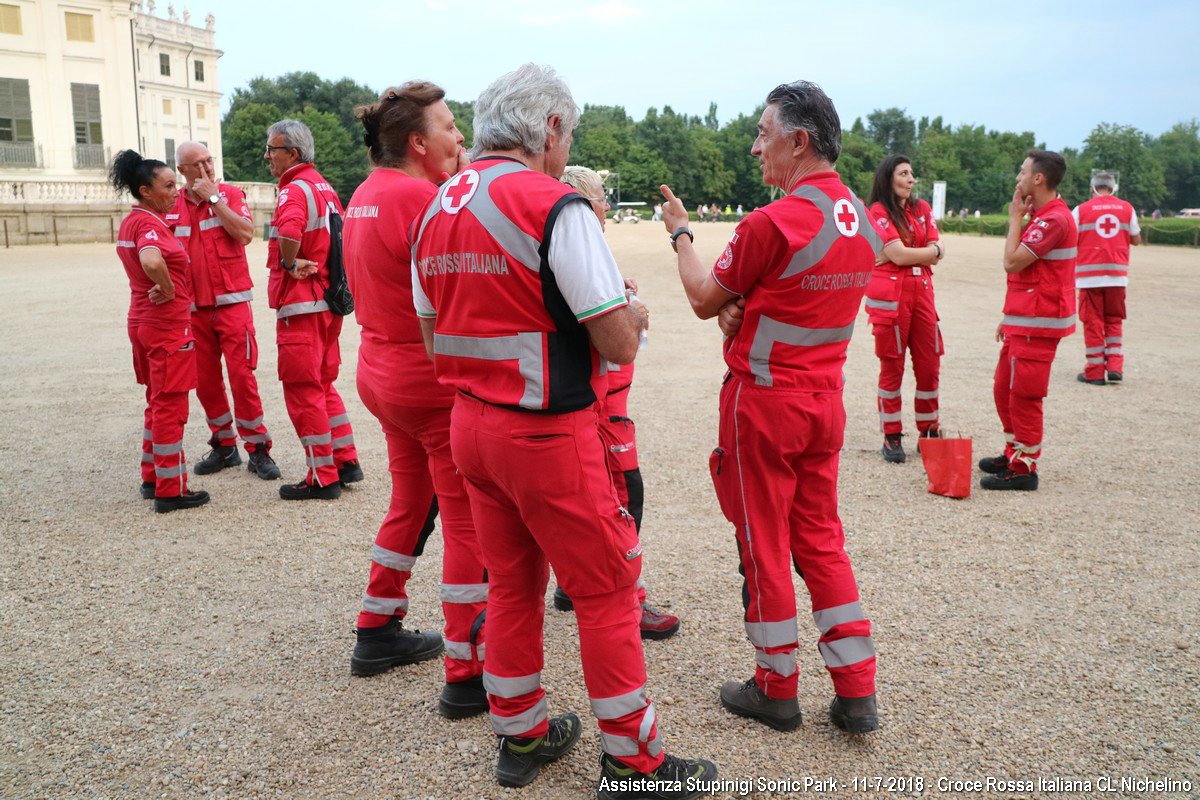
(673, 768)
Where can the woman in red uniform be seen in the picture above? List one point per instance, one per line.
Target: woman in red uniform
(900, 302)
(617, 429)
(414, 144)
(164, 355)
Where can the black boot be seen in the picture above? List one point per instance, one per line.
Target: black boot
(389, 645)
(747, 700)
(217, 459)
(1115, 377)
(521, 760)
(463, 699)
(1011, 481)
(676, 779)
(262, 465)
(994, 465)
(893, 451)
(147, 490)
(350, 472)
(561, 601)
(854, 714)
(164, 505)
(1083, 378)
(310, 491)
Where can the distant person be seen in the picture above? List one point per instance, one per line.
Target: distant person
(164, 352)
(657, 217)
(1107, 227)
(741, 212)
(1039, 312)
(617, 430)
(798, 269)
(1157, 214)
(728, 210)
(977, 215)
(900, 303)
(306, 331)
(714, 212)
(701, 212)
(214, 224)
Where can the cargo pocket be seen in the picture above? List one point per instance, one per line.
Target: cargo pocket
(883, 297)
(251, 348)
(297, 361)
(179, 369)
(627, 549)
(1030, 378)
(887, 340)
(939, 342)
(725, 483)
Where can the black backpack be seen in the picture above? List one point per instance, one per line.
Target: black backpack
(337, 296)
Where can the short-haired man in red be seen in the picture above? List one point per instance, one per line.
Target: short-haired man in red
(1107, 227)
(1039, 312)
(214, 224)
(306, 331)
(520, 299)
(799, 268)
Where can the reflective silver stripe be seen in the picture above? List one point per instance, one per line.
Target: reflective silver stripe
(168, 449)
(647, 723)
(316, 220)
(619, 706)
(1039, 322)
(147, 435)
(234, 297)
(1099, 281)
(882, 305)
(217, 422)
(249, 423)
(828, 618)
(391, 559)
(770, 331)
(524, 348)
(147, 458)
(525, 721)
(273, 232)
(171, 472)
(920, 395)
(930, 416)
(343, 441)
(818, 247)
(183, 230)
(899, 345)
(844, 652)
(312, 441)
(462, 651)
(319, 461)
(894, 416)
(511, 687)
(886, 395)
(1061, 254)
(625, 746)
(1095, 360)
(516, 242)
(1080, 268)
(257, 438)
(340, 419)
(210, 223)
(780, 663)
(226, 433)
(1091, 226)
(309, 307)
(464, 592)
(1112, 339)
(384, 605)
(1110, 351)
(1091, 351)
(772, 634)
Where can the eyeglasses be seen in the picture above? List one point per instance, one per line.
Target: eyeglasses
(601, 200)
(271, 147)
(207, 162)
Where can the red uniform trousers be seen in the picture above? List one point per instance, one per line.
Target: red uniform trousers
(164, 361)
(1102, 312)
(915, 330)
(1022, 381)
(308, 365)
(539, 490)
(229, 331)
(619, 435)
(418, 442)
(775, 473)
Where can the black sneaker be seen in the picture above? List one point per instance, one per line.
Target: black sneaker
(561, 601)
(893, 451)
(675, 779)
(350, 472)
(217, 459)
(389, 645)
(931, 433)
(994, 465)
(262, 465)
(310, 491)
(1009, 480)
(147, 490)
(1115, 377)
(463, 699)
(521, 760)
(854, 714)
(164, 505)
(1083, 378)
(747, 700)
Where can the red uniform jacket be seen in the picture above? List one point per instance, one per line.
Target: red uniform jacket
(301, 214)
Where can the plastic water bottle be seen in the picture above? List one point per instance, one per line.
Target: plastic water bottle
(644, 336)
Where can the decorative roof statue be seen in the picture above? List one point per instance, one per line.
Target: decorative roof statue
(186, 16)
(171, 12)
(210, 22)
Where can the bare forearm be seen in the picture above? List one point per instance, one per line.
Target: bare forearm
(288, 248)
(234, 224)
(905, 256)
(427, 326)
(156, 270)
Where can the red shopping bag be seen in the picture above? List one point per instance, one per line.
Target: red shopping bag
(947, 465)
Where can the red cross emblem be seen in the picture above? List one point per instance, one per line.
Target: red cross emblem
(1108, 225)
(845, 217)
(460, 189)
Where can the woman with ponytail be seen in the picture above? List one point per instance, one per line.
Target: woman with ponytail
(900, 303)
(414, 145)
(164, 357)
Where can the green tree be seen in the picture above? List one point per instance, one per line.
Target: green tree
(243, 137)
(1178, 150)
(339, 158)
(1125, 148)
(642, 171)
(893, 130)
(857, 164)
(464, 118)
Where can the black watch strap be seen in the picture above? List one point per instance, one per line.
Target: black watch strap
(682, 230)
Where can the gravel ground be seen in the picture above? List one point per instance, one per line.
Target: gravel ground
(205, 653)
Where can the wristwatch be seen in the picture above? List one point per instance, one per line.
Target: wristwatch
(213, 199)
(283, 265)
(683, 230)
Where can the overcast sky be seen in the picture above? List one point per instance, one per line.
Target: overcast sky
(1054, 68)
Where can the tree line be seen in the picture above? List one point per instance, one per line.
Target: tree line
(707, 162)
